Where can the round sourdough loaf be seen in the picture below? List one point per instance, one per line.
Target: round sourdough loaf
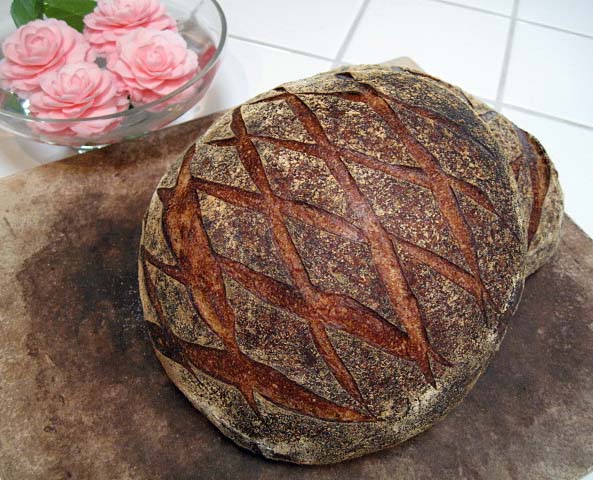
(329, 269)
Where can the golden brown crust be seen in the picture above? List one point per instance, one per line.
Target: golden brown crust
(357, 261)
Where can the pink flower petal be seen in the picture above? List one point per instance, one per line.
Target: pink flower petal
(152, 63)
(113, 19)
(37, 48)
(76, 91)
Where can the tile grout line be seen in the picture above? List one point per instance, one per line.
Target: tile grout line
(469, 7)
(507, 57)
(519, 19)
(556, 29)
(547, 116)
(338, 59)
(353, 26)
(498, 103)
(279, 47)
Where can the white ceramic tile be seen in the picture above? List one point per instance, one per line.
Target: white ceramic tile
(573, 15)
(490, 103)
(18, 154)
(551, 72)
(41, 152)
(12, 157)
(314, 26)
(571, 150)
(463, 46)
(505, 7)
(250, 69)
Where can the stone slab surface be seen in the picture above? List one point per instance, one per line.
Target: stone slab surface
(82, 394)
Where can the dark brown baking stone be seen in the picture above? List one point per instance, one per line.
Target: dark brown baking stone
(82, 394)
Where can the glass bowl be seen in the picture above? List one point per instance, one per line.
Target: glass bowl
(204, 29)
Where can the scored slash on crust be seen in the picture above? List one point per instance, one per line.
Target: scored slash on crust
(538, 163)
(202, 270)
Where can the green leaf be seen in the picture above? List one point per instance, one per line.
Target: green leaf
(71, 11)
(23, 11)
(12, 103)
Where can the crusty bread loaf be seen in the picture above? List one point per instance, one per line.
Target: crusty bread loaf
(537, 179)
(330, 268)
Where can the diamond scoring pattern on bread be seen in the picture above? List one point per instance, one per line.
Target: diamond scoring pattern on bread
(203, 270)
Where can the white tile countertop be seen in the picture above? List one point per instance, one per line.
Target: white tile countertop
(531, 59)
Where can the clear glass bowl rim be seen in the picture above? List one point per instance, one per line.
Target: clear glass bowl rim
(201, 74)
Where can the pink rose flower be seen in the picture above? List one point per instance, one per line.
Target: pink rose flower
(152, 64)
(113, 19)
(39, 47)
(80, 90)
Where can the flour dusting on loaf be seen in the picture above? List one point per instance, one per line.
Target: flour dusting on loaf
(330, 268)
